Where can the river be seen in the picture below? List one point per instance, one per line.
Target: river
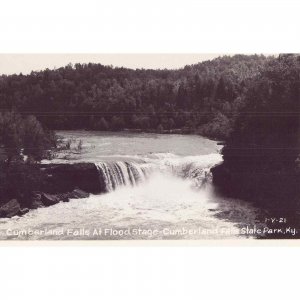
(158, 187)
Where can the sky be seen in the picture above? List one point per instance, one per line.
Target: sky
(25, 63)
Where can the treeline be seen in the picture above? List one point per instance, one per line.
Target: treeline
(203, 98)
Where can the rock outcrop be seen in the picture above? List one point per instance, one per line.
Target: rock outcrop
(39, 199)
(48, 199)
(10, 209)
(62, 183)
(63, 178)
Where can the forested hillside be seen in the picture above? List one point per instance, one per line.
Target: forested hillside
(201, 98)
(261, 157)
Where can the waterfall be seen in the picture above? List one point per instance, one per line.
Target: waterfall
(116, 174)
(123, 173)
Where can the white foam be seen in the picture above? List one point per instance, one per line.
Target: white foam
(163, 201)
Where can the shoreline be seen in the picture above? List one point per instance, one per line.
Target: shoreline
(164, 132)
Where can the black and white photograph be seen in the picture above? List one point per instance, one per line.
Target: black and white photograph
(149, 149)
(149, 146)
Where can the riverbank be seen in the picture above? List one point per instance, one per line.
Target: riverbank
(181, 131)
(60, 183)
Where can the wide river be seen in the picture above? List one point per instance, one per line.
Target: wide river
(158, 187)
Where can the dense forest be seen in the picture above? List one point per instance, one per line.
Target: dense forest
(202, 98)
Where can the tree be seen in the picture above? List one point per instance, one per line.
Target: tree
(117, 123)
(36, 141)
(182, 96)
(168, 123)
(23, 142)
(10, 136)
(101, 125)
(219, 127)
(24, 139)
(160, 128)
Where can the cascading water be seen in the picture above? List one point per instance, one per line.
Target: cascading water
(116, 174)
(127, 173)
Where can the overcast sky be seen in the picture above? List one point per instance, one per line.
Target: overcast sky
(25, 63)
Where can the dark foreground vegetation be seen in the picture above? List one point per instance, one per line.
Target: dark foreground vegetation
(250, 102)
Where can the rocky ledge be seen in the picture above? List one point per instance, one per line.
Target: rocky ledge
(13, 207)
(61, 183)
